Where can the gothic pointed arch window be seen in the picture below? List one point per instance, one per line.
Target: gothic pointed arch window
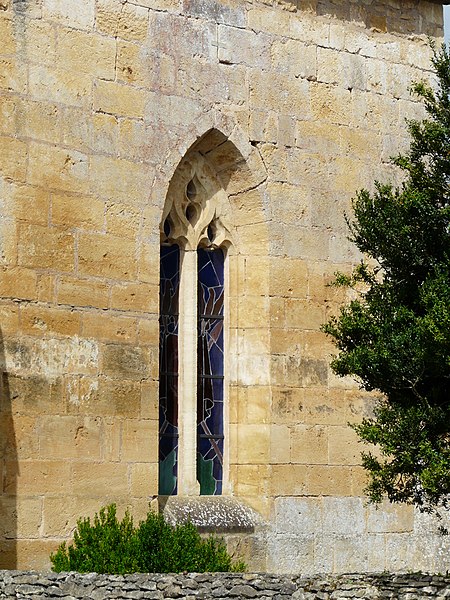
(195, 241)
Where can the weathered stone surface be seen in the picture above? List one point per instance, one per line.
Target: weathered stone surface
(291, 105)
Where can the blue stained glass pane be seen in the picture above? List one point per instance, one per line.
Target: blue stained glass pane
(210, 371)
(168, 369)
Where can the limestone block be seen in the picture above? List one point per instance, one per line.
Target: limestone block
(289, 480)
(240, 46)
(106, 256)
(103, 396)
(148, 263)
(294, 57)
(256, 271)
(20, 517)
(121, 180)
(253, 341)
(253, 443)
(140, 441)
(149, 400)
(20, 440)
(258, 407)
(192, 37)
(390, 518)
(13, 152)
(277, 312)
(109, 480)
(86, 52)
(111, 439)
(59, 85)
(316, 344)
(135, 140)
(250, 480)
(302, 516)
(8, 242)
(39, 43)
(253, 311)
(290, 203)
(129, 21)
(43, 247)
(286, 342)
(109, 327)
(9, 318)
(359, 43)
(9, 110)
(288, 553)
(32, 396)
(350, 554)
(303, 314)
(309, 445)
(144, 478)
(83, 212)
(103, 133)
(82, 292)
(79, 17)
(329, 66)
(415, 55)
(399, 80)
(13, 76)
(314, 136)
(229, 13)
(57, 168)
(117, 99)
(51, 358)
(279, 92)
(310, 30)
(126, 362)
(263, 126)
(60, 514)
(252, 369)
(30, 554)
(287, 404)
(38, 120)
(39, 320)
(343, 448)
(68, 437)
(336, 512)
(148, 331)
(280, 444)
(288, 278)
(269, 20)
(135, 297)
(327, 480)
(330, 104)
(36, 477)
(7, 37)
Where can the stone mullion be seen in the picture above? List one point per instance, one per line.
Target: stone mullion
(187, 383)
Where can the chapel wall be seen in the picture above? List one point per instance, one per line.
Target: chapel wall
(99, 102)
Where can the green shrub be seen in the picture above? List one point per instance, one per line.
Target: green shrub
(112, 546)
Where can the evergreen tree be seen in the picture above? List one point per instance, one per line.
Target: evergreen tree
(395, 336)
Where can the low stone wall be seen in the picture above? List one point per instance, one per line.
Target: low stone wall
(71, 586)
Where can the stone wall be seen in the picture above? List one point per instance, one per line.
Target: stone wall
(22, 584)
(293, 106)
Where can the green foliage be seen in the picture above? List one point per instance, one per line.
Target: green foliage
(112, 546)
(395, 336)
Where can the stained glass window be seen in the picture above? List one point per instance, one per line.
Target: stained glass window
(168, 369)
(210, 347)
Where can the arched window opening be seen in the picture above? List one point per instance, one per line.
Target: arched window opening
(192, 393)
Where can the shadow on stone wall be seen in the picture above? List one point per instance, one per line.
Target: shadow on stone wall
(381, 15)
(9, 469)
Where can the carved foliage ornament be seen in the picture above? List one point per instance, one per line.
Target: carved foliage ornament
(196, 207)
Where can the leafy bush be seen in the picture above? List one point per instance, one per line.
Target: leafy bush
(112, 546)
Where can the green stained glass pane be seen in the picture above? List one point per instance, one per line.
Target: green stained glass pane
(167, 479)
(205, 476)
